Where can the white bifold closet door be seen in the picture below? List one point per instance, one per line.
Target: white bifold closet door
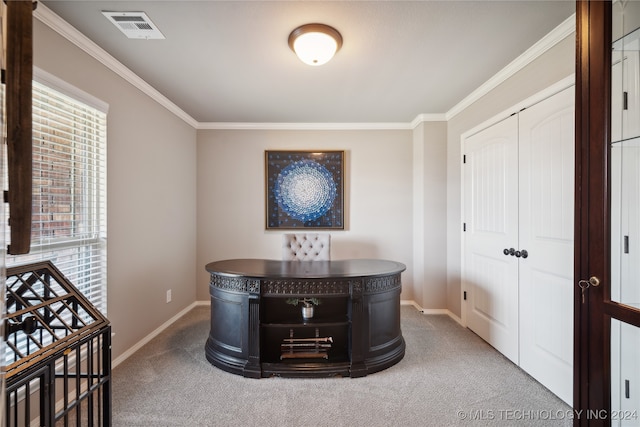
(491, 226)
(518, 239)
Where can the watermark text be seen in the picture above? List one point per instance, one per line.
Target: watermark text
(544, 415)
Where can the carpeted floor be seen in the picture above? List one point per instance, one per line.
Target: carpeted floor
(448, 377)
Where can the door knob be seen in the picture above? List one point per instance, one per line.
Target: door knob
(511, 251)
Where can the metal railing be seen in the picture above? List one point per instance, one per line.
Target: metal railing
(57, 352)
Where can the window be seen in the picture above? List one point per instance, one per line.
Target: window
(69, 212)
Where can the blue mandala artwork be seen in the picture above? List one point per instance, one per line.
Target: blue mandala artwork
(304, 189)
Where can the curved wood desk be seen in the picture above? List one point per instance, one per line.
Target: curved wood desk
(255, 331)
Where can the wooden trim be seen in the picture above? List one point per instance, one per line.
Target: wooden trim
(592, 381)
(19, 77)
(623, 313)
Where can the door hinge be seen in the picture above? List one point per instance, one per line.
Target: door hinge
(626, 245)
(464, 226)
(625, 100)
(627, 393)
(464, 295)
(464, 158)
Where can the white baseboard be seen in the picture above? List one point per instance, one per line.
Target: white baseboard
(432, 310)
(124, 356)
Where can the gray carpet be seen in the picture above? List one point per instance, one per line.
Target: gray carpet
(448, 377)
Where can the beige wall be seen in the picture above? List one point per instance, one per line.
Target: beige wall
(231, 196)
(151, 189)
(430, 215)
(551, 67)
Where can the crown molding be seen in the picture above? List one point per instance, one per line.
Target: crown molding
(303, 126)
(62, 27)
(558, 34)
(421, 118)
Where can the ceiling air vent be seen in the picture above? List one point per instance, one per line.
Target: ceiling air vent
(135, 25)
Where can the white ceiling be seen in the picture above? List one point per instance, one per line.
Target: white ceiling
(229, 61)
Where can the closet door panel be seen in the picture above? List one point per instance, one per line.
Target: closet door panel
(625, 371)
(491, 218)
(627, 290)
(617, 96)
(631, 86)
(546, 198)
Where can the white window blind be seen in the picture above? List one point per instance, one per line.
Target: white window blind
(69, 211)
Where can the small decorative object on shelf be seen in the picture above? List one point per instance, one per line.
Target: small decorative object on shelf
(305, 348)
(307, 305)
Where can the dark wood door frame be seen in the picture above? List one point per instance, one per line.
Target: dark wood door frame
(593, 94)
(592, 321)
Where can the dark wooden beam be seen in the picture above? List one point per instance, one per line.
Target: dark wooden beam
(19, 75)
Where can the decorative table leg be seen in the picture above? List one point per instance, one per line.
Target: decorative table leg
(358, 334)
(253, 369)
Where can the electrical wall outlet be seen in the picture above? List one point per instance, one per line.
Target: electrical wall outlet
(168, 296)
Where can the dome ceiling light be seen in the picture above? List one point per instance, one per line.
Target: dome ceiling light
(315, 44)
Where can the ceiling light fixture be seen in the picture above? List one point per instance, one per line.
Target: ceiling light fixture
(315, 44)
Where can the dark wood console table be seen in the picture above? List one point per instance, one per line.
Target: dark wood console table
(355, 329)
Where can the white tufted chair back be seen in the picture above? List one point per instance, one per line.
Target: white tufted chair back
(306, 247)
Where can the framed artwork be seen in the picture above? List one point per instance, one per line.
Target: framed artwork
(304, 189)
